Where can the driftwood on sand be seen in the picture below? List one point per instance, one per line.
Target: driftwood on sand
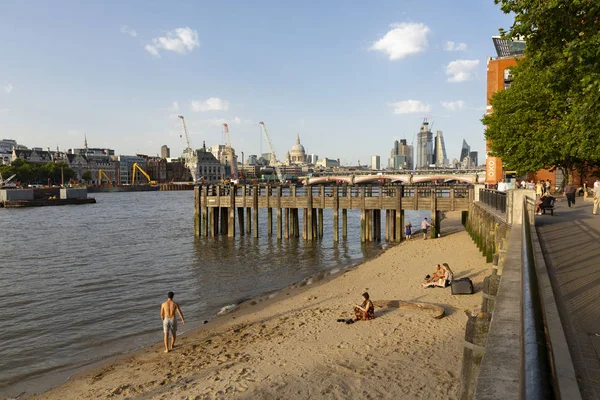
(434, 310)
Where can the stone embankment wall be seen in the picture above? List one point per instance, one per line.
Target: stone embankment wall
(490, 230)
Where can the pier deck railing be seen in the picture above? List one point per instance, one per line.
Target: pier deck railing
(442, 198)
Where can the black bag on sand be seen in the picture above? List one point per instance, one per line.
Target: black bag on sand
(462, 286)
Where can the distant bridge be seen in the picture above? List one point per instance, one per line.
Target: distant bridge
(465, 177)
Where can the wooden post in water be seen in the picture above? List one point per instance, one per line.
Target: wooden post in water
(336, 220)
(197, 213)
(305, 224)
(248, 210)
(205, 227)
(255, 194)
(320, 223)
(363, 225)
(269, 211)
(231, 227)
(286, 225)
(309, 207)
(296, 224)
(399, 214)
(278, 212)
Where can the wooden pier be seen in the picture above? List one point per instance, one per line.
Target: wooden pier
(216, 207)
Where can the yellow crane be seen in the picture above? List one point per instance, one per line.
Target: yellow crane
(101, 173)
(135, 167)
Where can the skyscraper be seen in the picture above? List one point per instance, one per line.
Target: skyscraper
(424, 146)
(473, 156)
(375, 163)
(465, 151)
(165, 152)
(401, 156)
(441, 158)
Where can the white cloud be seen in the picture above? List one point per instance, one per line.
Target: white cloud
(451, 46)
(212, 104)
(453, 105)
(8, 88)
(128, 30)
(461, 70)
(152, 50)
(180, 40)
(410, 106)
(403, 40)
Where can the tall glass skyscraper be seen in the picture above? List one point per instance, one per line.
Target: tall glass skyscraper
(425, 155)
(441, 158)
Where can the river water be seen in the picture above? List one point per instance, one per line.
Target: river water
(79, 284)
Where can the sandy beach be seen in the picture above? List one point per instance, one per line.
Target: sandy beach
(290, 346)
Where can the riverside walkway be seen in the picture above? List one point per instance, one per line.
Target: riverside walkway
(571, 245)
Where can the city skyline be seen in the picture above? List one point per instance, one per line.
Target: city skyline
(137, 66)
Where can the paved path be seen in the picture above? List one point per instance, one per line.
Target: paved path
(571, 245)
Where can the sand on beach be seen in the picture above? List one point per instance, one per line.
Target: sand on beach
(291, 346)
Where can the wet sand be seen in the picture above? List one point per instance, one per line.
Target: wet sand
(290, 345)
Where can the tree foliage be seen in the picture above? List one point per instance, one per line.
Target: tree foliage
(549, 116)
(38, 173)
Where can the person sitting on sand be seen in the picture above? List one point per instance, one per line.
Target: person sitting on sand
(437, 274)
(444, 280)
(366, 310)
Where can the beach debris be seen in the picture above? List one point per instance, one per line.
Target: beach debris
(434, 310)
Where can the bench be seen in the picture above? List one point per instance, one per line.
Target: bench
(547, 204)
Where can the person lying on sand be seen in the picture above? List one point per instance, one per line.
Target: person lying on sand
(444, 280)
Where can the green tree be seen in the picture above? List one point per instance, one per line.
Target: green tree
(552, 105)
(87, 175)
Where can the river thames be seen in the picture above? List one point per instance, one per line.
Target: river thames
(84, 283)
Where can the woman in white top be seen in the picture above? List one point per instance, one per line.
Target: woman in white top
(445, 280)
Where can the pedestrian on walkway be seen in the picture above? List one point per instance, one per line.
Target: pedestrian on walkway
(425, 227)
(570, 193)
(596, 199)
(539, 189)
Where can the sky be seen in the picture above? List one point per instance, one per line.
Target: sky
(349, 77)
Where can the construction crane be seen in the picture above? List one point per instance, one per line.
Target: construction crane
(191, 161)
(101, 173)
(4, 182)
(273, 161)
(232, 156)
(135, 167)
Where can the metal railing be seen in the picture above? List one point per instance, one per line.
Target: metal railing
(537, 375)
(493, 198)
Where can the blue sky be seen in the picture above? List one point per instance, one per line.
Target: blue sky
(348, 77)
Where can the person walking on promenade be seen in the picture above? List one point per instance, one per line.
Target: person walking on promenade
(425, 227)
(596, 199)
(167, 314)
(570, 193)
(502, 186)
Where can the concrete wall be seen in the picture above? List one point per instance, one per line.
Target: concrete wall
(73, 193)
(16, 194)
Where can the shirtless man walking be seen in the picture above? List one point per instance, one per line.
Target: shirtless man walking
(167, 314)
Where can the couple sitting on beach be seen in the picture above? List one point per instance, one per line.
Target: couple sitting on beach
(364, 312)
(442, 277)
